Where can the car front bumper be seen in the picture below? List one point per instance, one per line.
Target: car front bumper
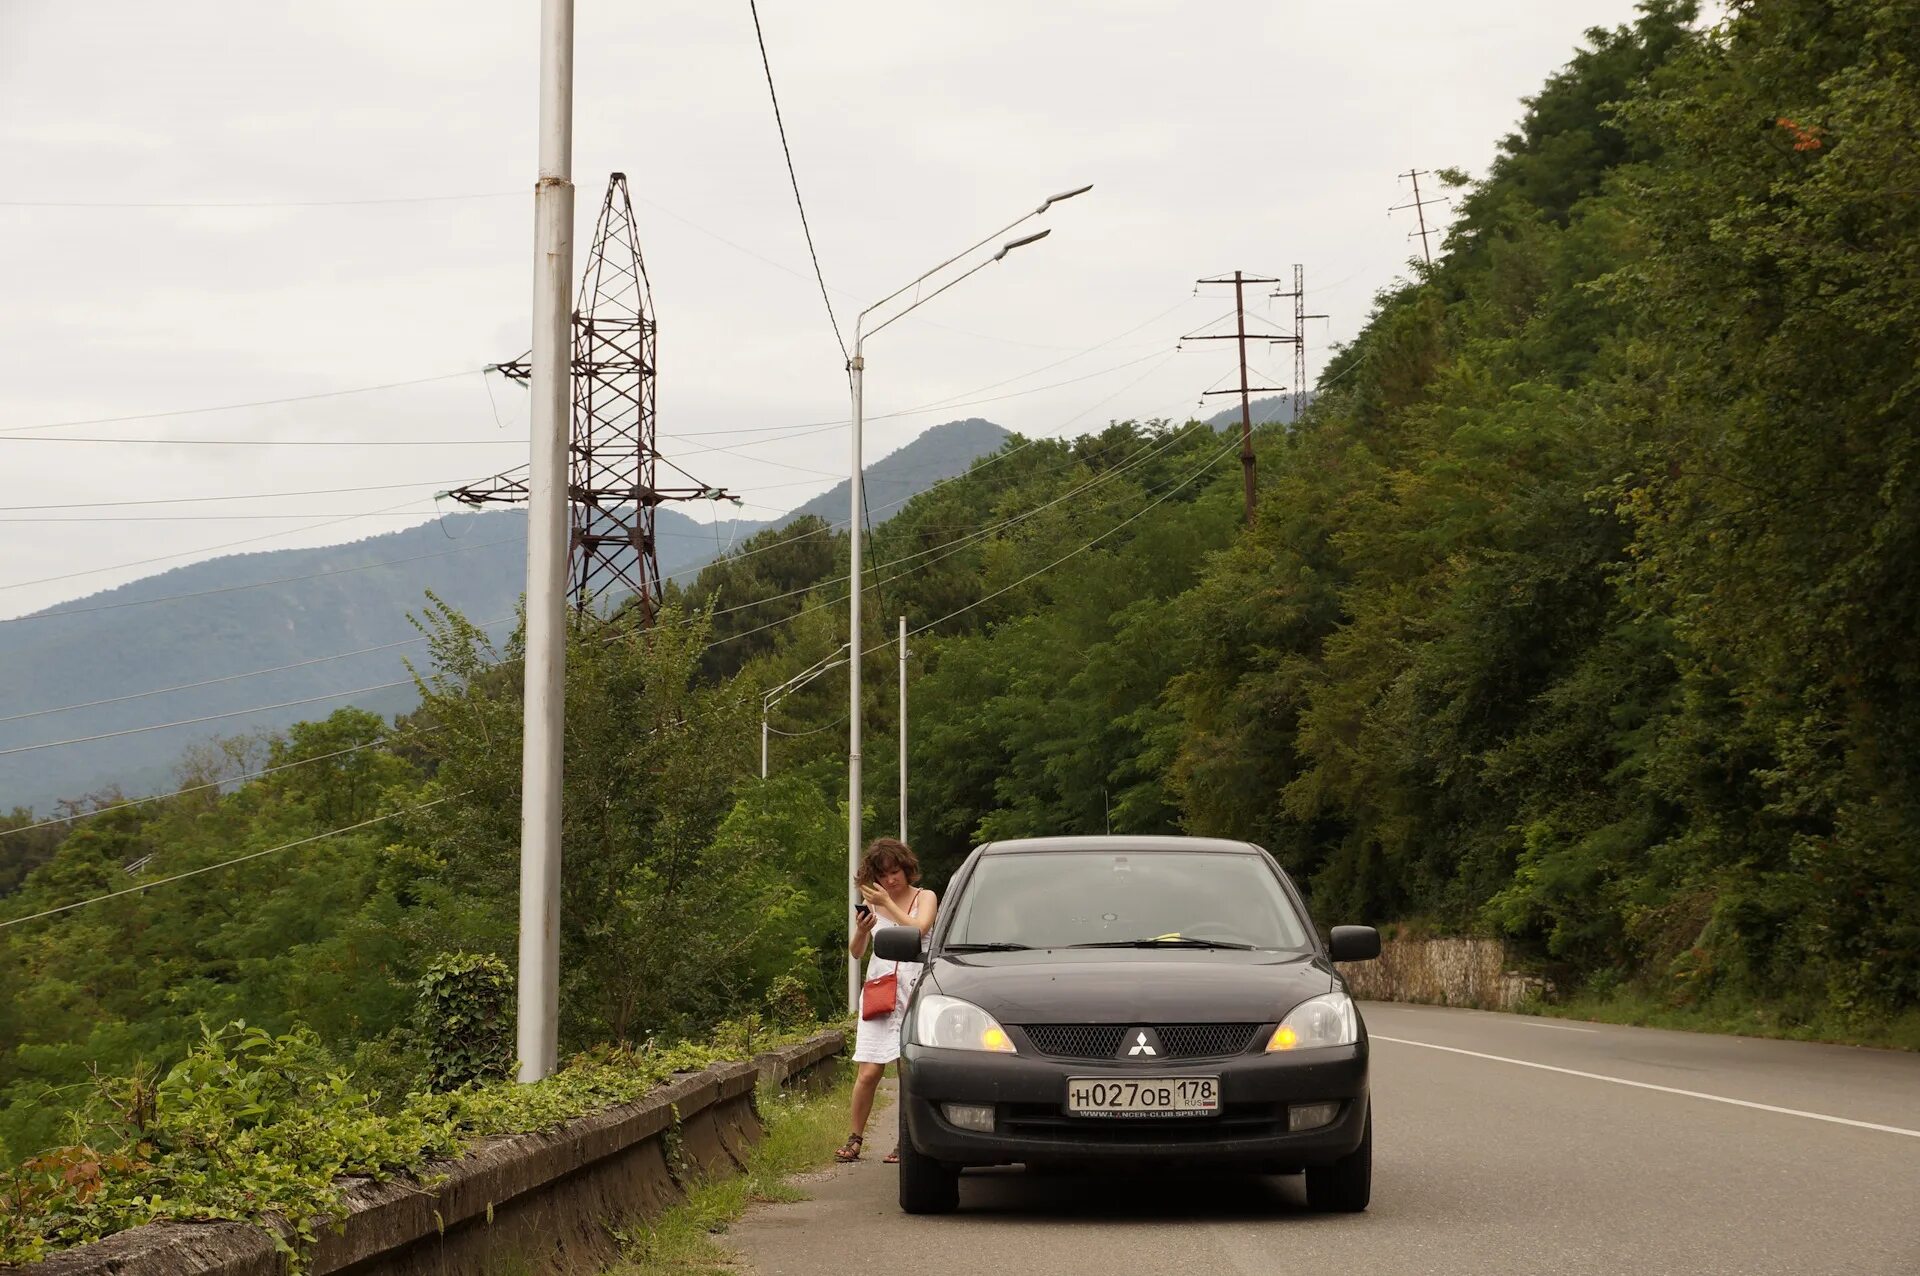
(1032, 1126)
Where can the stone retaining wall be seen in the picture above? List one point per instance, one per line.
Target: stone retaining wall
(539, 1203)
(1442, 972)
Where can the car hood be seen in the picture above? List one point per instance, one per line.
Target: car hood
(1130, 985)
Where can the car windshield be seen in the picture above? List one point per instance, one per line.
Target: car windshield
(1175, 899)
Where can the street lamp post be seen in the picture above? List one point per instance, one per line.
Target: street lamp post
(856, 375)
(791, 685)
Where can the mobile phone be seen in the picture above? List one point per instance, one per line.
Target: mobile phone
(862, 909)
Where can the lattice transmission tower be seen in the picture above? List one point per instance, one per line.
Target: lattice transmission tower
(612, 458)
(1298, 338)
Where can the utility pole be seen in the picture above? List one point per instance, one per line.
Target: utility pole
(1419, 207)
(538, 989)
(1299, 338)
(903, 728)
(1239, 282)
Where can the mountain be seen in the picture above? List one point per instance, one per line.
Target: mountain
(198, 626)
(941, 453)
(1276, 407)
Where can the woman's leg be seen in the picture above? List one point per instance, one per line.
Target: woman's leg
(865, 1083)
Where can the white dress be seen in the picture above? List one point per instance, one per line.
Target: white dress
(878, 1040)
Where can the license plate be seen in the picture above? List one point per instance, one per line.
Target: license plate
(1143, 1096)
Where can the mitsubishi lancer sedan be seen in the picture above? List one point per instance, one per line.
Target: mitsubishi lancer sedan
(1136, 1001)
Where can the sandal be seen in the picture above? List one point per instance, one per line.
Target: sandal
(893, 1157)
(850, 1150)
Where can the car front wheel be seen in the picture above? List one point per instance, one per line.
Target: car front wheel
(1343, 1187)
(926, 1186)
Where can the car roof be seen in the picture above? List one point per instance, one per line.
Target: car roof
(1119, 842)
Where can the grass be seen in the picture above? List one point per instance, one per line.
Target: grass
(1746, 1019)
(802, 1132)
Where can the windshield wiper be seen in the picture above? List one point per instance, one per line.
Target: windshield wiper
(990, 946)
(1168, 941)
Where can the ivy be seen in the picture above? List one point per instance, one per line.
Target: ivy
(466, 1021)
(251, 1124)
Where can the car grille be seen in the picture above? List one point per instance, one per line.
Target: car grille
(1102, 1040)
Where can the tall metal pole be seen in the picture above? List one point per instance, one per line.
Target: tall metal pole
(1246, 409)
(903, 728)
(763, 741)
(856, 374)
(545, 695)
(1420, 211)
(1240, 281)
(856, 369)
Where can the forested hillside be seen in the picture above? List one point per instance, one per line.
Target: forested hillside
(227, 635)
(1579, 610)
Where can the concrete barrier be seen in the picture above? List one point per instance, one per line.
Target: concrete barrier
(1442, 972)
(543, 1203)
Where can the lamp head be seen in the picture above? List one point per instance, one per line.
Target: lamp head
(1021, 242)
(1054, 199)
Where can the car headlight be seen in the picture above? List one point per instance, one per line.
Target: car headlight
(953, 1024)
(1326, 1020)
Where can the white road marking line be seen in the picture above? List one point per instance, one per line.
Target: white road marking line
(1557, 1027)
(1648, 1085)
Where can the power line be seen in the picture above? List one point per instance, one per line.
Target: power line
(780, 123)
(251, 403)
(206, 518)
(885, 645)
(955, 545)
(194, 722)
(221, 783)
(257, 203)
(1209, 464)
(235, 677)
(825, 427)
(238, 859)
(208, 549)
(795, 735)
(259, 584)
(248, 496)
(974, 534)
(94, 438)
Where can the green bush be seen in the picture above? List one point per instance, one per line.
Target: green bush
(466, 1020)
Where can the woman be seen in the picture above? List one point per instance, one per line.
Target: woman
(887, 880)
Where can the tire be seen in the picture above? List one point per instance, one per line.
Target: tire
(926, 1186)
(1345, 1186)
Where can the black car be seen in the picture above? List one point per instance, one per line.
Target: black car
(1125, 1001)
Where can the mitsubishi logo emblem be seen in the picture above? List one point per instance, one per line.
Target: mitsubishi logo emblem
(1145, 1041)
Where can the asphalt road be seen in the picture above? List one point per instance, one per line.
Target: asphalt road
(1502, 1144)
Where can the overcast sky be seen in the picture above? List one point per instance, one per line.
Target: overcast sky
(1220, 135)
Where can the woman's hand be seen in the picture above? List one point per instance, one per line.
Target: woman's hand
(882, 903)
(863, 924)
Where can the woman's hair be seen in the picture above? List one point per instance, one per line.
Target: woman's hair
(885, 854)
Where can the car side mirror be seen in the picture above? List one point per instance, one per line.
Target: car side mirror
(902, 943)
(1354, 943)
